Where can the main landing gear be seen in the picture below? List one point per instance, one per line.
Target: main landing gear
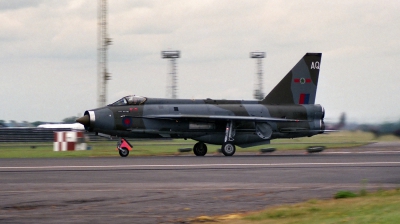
(200, 149)
(228, 148)
(123, 147)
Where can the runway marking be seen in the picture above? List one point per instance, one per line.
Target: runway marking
(200, 165)
(195, 187)
(156, 189)
(364, 152)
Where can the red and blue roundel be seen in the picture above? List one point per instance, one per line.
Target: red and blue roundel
(127, 122)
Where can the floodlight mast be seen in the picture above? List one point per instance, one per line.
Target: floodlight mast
(258, 90)
(103, 41)
(172, 86)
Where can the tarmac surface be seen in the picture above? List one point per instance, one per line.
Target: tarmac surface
(174, 189)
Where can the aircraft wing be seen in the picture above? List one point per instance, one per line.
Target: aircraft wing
(219, 117)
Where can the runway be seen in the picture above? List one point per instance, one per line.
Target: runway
(175, 188)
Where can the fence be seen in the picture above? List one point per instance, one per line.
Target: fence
(35, 134)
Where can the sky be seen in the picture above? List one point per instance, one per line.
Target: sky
(48, 53)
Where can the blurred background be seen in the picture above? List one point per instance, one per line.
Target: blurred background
(50, 55)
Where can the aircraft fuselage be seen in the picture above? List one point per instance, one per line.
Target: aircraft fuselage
(205, 120)
(288, 111)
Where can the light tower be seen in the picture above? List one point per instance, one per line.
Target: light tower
(258, 90)
(103, 41)
(172, 87)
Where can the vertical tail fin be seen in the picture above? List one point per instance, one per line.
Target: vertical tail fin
(299, 86)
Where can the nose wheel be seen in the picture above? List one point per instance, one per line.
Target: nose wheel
(123, 147)
(123, 152)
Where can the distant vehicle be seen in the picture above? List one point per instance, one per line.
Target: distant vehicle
(15, 124)
(74, 126)
(288, 111)
(382, 129)
(337, 126)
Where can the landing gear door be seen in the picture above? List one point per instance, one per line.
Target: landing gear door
(263, 130)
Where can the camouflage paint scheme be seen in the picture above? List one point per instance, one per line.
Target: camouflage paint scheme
(288, 111)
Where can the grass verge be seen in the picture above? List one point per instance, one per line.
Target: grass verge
(170, 147)
(379, 207)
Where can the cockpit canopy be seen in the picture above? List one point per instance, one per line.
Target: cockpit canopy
(129, 100)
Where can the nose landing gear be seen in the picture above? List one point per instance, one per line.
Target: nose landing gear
(123, 147)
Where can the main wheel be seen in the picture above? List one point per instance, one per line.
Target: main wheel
(200, 149)
(228, 149)
(124, 152)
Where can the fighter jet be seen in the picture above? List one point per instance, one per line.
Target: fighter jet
(288, 111)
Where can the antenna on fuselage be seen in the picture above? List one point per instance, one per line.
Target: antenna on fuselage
(172, 86)
(258, 87)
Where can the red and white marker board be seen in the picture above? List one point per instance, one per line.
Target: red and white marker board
(69, 141)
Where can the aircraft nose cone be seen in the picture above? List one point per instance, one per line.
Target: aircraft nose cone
(85, 120)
